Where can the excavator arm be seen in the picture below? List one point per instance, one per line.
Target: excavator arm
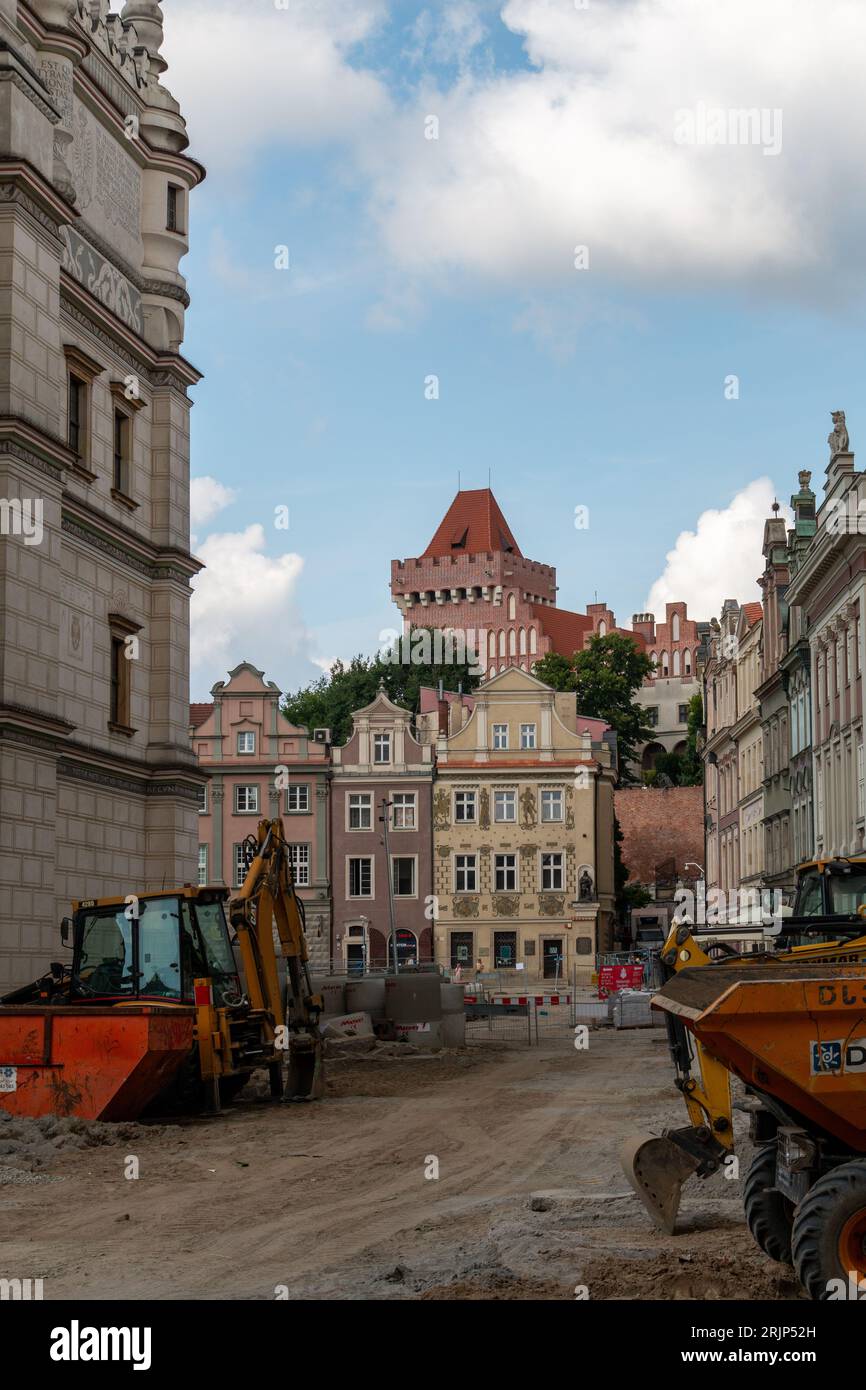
(267, 910)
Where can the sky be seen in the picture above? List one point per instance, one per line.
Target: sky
(525, 242)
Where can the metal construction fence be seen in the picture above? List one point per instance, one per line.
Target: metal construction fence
(525, 1018)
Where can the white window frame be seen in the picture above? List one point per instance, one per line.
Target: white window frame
(407, 800)
(297, 788)
(506, 869)
(413, 858)
(299, 856)
(469, 799)
(240, 865)
(508, 798)
(382, 738)
(248, 810)
(551, 869)
(246, 752)
(500, 733)
(368, 799)
(552, 796)
(202, 810)
(203, 857)
(466, 868)
(528, 734)
(370, 859)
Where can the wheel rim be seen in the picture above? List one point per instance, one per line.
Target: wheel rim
(852, 1243)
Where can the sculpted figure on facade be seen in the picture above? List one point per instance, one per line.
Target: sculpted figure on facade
(838, 436)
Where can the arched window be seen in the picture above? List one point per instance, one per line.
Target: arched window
(665, 671)
(502, 646)
(512, 606)
(533, 642)
(675, 628)
(523, 641)
(677, 662)
(512, 643)
(491, 644)
(602, 628)
(687, 662)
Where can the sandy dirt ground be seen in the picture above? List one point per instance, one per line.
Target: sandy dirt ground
(330, 1200)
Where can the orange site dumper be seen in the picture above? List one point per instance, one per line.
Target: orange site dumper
(795, 1034)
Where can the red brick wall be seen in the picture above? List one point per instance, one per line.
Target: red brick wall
(660, 824)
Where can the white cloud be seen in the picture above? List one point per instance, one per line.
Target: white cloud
(207, 497)
(244, 608)
(248, 75)
(721, 558)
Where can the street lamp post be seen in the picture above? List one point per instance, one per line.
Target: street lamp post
(386, 807)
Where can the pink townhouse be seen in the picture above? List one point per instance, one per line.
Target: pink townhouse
(261, 766)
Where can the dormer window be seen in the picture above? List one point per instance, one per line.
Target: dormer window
(381, 748)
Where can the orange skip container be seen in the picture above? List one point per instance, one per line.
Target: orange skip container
(95, 1063)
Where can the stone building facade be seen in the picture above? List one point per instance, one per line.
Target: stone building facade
(795, 666)
(772, 697)
(523, 833)
(677, 648)
(98, 783)
(261, 766)
(721, 787)
(748, 737)
(829, 586)
(382, 770)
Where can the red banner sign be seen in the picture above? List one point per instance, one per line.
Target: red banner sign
(613, 978)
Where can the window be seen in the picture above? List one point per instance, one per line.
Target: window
(240, 866)
(298, 798)
(652, 716)
(683, 714)
(500, 735)
(381, 748)
(527, 735)
(403, 876)
(675, 628)
(121, 453)
(202, 865)
(299, 856)
(462, 948)
(119, 707)
(202, 800)
(505, 806)
(172, 209)
(246, 799)
(505, 873)
(551, 806)
(360, 810)
(403, 811)
(361, 878)
(464, 807)
(551, 873)
(246, 743)
(76, 414)
(465, 873)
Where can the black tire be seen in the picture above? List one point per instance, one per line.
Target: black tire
(820, 1220)
(769, 1215)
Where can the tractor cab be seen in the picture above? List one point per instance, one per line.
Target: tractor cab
(153, 948)
(830, 904)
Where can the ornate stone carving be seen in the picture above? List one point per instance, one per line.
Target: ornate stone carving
(585, 885)
(569, 808)
(527, 808)
(838, 436)
(506, 904)
(484, 809)
(551, 904)
(441, 816)
(466, 906)
(101, 279)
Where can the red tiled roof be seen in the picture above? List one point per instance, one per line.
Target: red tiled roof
(472, 523)
(566, 630)
(429, 700)
(199, 713)
(754, 613)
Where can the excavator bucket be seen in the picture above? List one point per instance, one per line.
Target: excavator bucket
(656, 1167)
(306, 1078)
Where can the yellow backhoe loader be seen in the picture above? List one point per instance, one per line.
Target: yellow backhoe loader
(154, 1014)
(825, 935)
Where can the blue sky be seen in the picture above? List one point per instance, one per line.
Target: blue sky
(410, 257)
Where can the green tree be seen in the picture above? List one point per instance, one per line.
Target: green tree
(605, 676)
(684, 769)
(329, 701)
